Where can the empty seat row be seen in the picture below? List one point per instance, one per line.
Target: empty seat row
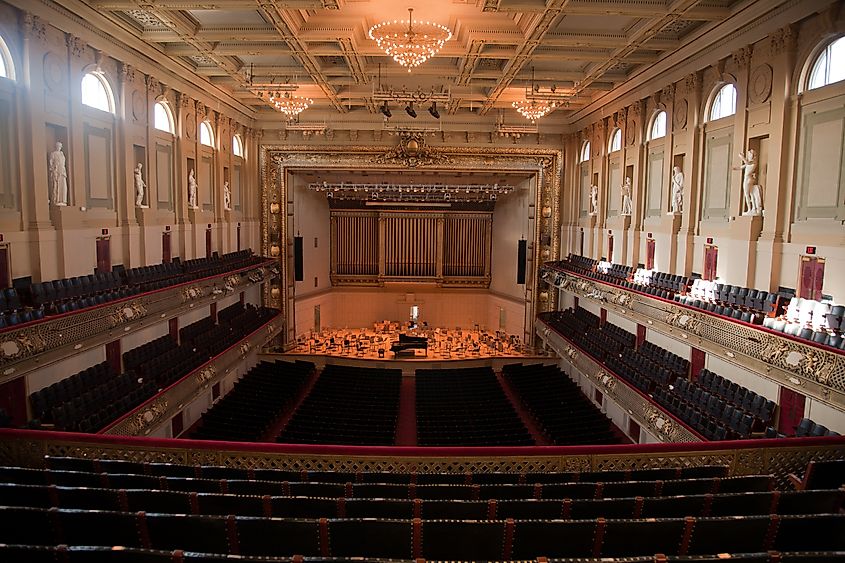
(466, 407)
(257, 400)
(820, 501)
(430, 539)
(556, 402)
(356, 406)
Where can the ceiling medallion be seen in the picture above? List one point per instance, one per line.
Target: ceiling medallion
(289, 104)
(412, 152)
(412, 46)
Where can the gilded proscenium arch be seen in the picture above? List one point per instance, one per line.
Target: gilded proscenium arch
(277, 161)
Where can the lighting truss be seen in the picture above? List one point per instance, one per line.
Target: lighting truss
(408, 193)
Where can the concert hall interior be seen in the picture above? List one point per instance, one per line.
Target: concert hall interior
(463, 280)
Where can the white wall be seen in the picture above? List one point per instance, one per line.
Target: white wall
(60, 370)
(311, 221)
(510, 224)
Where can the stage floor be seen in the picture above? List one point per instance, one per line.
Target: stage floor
(443, 344)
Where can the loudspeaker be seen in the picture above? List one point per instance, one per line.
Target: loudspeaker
(297, 259)
(521, 256)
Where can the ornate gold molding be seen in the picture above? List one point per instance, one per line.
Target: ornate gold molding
(646, 414)
(28, 448)
(807, 369)
(277, 160)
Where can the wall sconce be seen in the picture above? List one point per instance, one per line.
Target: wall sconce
(274, 208)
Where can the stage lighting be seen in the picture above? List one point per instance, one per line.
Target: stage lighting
(433, 111)
(409, 109)
(385, 110)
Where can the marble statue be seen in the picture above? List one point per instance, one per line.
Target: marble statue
(594, 199)
(227, 197)
(627, 206)
(677, 191)
(140, 187)
(58, 176)
(192, 190)
(752, 192)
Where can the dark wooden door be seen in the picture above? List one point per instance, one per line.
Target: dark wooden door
(649, 254)
(104, 254)
(711, 256)
(791, 410)
(610, 248)
(812, 277)
(166, 255)
(208, 243)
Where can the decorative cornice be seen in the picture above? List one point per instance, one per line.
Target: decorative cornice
(34, 27)
(783, 40)
(76, 46)
(742, 57)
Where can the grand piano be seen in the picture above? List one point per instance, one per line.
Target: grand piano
(409, 343)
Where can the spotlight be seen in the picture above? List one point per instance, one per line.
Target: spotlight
(385, 110)
(409, 109)
(433, 111)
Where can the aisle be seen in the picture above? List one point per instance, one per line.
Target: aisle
(528, 420)
(406, 425)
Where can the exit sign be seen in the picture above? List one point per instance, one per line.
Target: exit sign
(811, 250)
(709, 240)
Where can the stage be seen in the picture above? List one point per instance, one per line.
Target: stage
(371, 347)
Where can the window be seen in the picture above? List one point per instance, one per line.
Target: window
(829, 66)
(7, 68)
(585, 151)
(206, 134)
(237, 146)
(658, 126)
(96, 92)
(724, 102)
(162, 118)
(615, 143)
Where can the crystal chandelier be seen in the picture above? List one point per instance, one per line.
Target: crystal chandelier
(533, 109)
(412, 46)
(289, 104)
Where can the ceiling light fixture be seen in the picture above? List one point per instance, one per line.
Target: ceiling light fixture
(433, 110)
(410, 47)
(289, 104)
(385, 110)
(409, 109)
(531, 107)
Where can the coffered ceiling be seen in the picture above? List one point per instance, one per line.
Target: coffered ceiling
(581, 48)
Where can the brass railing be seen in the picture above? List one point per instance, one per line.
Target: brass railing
(778, 457)
(793, 363)
(34, 345)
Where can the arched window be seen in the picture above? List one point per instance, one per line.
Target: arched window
(724, 102)
(658, 126)
(585, 151)
(615, 143)
(162, 118)
(829, 66)
(7, 68)
(206, 134)
(237, 146)
(96, 92)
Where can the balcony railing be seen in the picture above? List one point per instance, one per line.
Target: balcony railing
(797, 364)
(31, 346)
(778, 457)
(639, 406)
(158, 410)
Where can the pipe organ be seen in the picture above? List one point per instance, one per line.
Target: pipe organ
(447, 248)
